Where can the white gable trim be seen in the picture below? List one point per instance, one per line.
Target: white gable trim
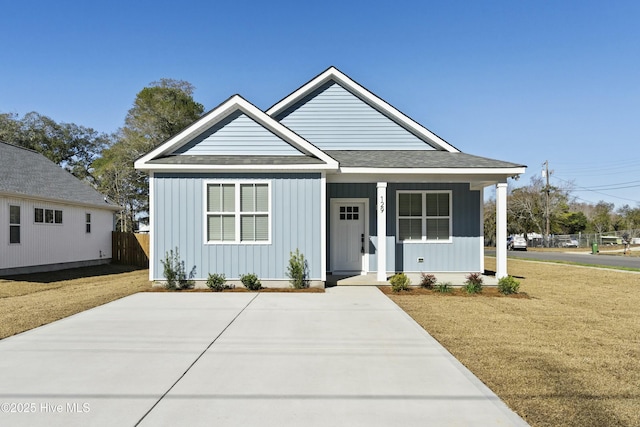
(333, 73)
(235, 103)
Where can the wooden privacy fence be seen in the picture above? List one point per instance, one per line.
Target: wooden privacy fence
(130, 249)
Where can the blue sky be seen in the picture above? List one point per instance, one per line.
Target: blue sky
(523, 81)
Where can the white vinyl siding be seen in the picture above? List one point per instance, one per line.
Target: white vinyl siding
(40, 243)
(424, 216)
(238, 212)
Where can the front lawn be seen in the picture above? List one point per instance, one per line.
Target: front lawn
(569, 355)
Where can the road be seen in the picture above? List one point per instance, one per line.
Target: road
(582, 258)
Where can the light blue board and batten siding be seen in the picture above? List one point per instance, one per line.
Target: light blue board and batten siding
(462, 255)
(295, 223)
(238, 134)
(332, 118)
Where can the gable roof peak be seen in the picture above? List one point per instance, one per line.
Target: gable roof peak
(334, 74)
(235, 103)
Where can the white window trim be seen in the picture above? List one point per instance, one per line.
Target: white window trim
(15, 224)
(424, 217)
(44, 214)
(237, 213)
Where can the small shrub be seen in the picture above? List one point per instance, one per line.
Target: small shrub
(427, 280)
(508, 285)
(217, 282)
(443, 287)
(175, 272)
(400, 282)
(251, 282)
(298, 270)
(473, 284)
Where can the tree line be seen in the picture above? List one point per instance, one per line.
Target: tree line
(527, 213)
(105, 161)
(165, 107)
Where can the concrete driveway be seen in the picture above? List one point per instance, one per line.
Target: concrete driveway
(348, 357)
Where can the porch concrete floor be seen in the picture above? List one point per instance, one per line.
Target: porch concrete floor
(369, 279)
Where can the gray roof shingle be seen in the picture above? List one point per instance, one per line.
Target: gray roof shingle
(236, 160)
(414, 159)
(28, 173)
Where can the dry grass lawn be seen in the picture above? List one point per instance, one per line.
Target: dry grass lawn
(569, 355)
(34, 300)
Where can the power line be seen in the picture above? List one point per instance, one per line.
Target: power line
(598, 192)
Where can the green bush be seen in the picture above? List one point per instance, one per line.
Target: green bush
(443, 287)
(175, 273)
(298, 270)
(473, 284)
(508, 285)
(427, 280)
(251, 282)
(400, 282)
(217, 282)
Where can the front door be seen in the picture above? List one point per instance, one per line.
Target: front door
(348, 235)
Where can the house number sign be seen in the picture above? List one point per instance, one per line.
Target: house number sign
(381, 204)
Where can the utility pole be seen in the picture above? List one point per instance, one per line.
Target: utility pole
(547, 190)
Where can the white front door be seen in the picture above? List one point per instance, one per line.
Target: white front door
(349, 238)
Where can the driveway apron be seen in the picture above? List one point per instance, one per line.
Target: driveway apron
(348, 357)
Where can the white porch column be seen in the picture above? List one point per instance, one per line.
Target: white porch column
(381, 209)
(501, 230)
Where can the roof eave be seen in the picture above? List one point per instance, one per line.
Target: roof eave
(105, 206)
(508, 171)
(232, 168)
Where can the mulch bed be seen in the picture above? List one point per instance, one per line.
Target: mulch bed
(487, 292)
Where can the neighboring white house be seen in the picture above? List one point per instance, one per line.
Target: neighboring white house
(49, 220)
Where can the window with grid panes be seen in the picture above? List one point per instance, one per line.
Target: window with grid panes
(424, 216)
(237, 212)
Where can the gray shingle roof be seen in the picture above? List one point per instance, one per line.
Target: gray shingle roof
(236, 160)
(28, 173)
(414, 159)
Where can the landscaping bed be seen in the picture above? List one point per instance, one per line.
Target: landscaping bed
(487, 292)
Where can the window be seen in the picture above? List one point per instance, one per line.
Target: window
(14, 224)
(47, 216)
(237, 212)
(424, 216)
(39, 215)
(87, 220)
(349, 213)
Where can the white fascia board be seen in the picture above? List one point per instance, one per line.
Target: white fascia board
(106, 206)
(435, 171)
(333, 73)
(237, 168)
(233, 104)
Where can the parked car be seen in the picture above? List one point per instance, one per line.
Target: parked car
(569, 243)
(516, 242)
